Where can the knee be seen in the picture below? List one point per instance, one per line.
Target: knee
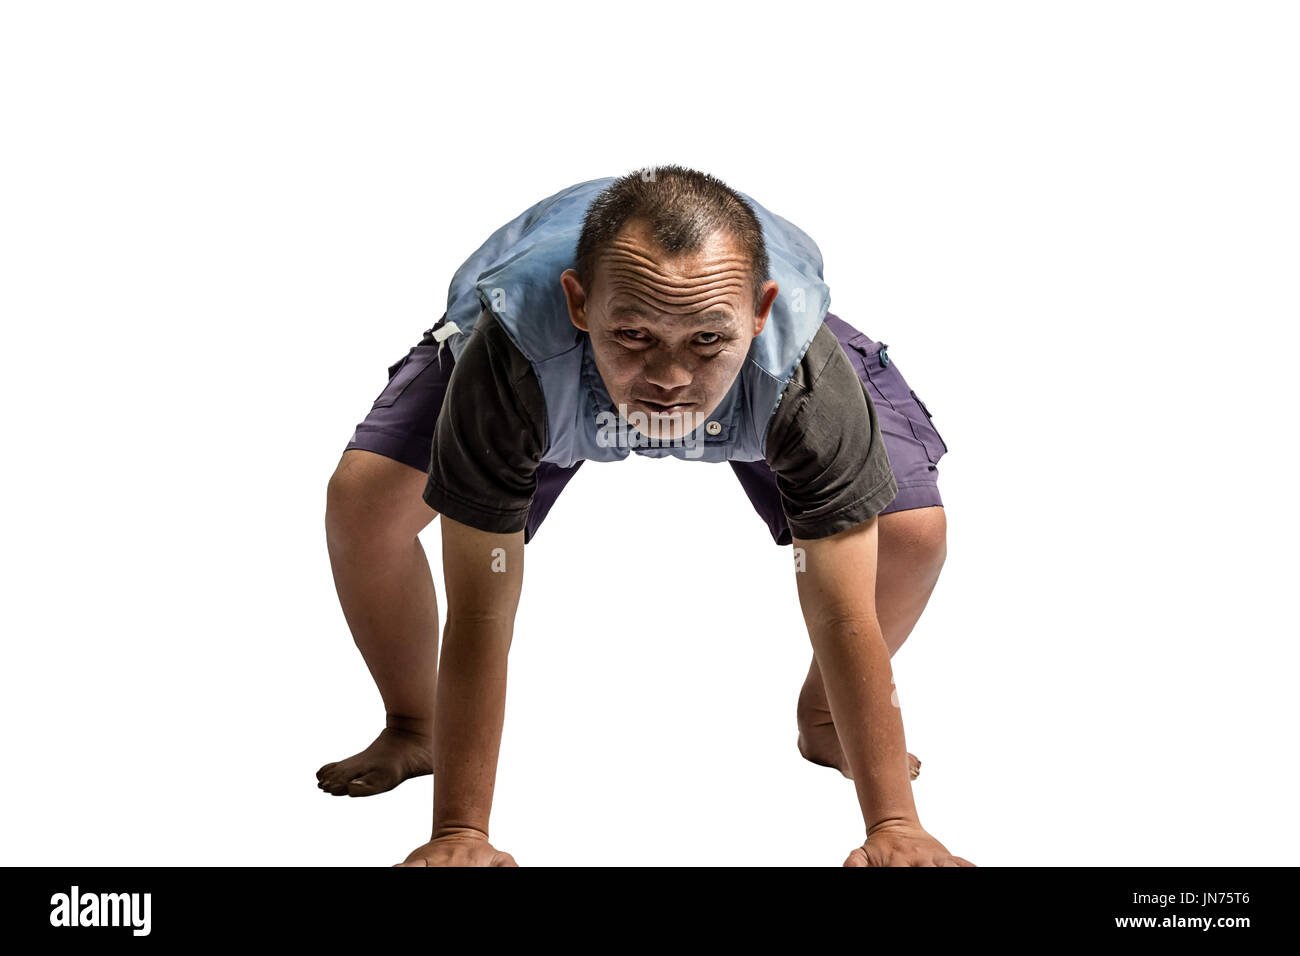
(345, 496)
(373, 502)
(934, 541)
(919, 541)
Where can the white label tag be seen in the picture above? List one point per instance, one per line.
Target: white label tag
(451, 328)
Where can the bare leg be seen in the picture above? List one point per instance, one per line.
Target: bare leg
(913, 545)
(373, 515)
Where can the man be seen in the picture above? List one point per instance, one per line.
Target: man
(661, 313)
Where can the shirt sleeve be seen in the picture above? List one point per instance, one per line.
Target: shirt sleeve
(825, 448)
(490, 435)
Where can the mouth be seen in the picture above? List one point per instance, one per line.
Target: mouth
(659, 408)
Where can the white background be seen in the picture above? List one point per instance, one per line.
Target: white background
(1074, 224)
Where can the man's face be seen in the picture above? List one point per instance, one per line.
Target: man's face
(669, 333)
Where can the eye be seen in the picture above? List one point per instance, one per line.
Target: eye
(631, 335)
(713, 341)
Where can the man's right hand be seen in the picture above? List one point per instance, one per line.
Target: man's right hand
(461, 848)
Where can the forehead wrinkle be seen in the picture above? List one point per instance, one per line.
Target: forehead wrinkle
(676, 284)
(709, 273)
(698, 305)
(687, 291)
(721, 280)
(716, 295)
(636, 252)
(631, 256)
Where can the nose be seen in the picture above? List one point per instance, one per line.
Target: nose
(664, 371)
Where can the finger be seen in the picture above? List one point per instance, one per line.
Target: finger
(420, 862)
(504, 859)
(857, 858)
(963, 862)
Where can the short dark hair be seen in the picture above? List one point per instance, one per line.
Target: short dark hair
(683, 207)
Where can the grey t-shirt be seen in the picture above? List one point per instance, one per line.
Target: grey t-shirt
(823, 442)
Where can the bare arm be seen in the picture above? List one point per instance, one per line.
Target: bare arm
(484, 576)
(837, 592)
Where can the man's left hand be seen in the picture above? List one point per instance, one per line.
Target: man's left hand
(903, 844)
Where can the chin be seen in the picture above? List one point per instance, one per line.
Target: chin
(665, 434)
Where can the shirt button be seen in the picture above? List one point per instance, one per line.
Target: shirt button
(884, 357)
(713, 428)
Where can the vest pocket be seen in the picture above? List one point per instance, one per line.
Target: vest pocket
(403, 372)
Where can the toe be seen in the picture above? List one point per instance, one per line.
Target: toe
(377, 781)
(334, 784)
(326, 769)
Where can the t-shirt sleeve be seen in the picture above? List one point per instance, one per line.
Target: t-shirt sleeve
(825, 448)
(490, 435)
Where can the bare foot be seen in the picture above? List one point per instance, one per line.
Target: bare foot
(394, 756)
(821, 745)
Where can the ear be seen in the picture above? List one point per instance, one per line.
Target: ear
(770, 290)
(576, 298)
